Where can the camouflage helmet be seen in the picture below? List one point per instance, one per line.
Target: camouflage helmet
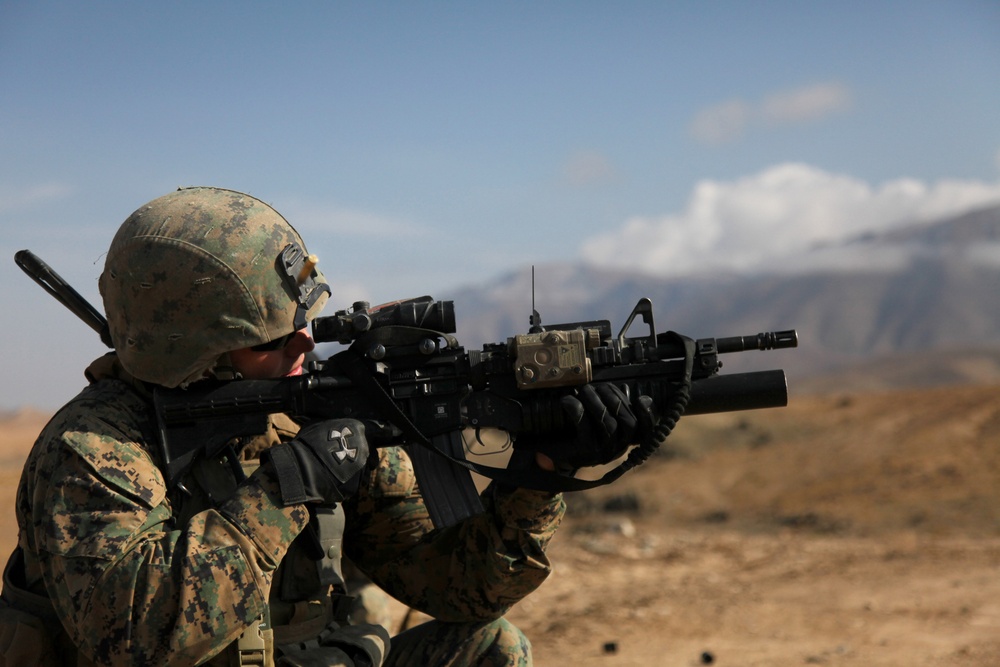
(201, 272)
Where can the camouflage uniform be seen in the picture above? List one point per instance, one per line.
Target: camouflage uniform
(113, 567)
(140, 574)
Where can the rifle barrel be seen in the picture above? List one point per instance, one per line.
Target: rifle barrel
(766, 340)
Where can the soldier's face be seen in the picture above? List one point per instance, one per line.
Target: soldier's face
(263, 365)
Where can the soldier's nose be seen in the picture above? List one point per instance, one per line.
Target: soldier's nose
(301, 343)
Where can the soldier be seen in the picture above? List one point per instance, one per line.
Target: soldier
(115, 567)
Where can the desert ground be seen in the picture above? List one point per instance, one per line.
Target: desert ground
(845, 529)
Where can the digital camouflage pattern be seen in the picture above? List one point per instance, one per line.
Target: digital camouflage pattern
(100, 539)
(463, 573)
(194, 274)
(494, 644)
(142, 575)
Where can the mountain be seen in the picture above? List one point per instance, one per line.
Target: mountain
(917, 306)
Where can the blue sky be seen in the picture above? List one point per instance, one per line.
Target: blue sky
(420, 146)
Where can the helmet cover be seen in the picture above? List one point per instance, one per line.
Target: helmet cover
(201, 272)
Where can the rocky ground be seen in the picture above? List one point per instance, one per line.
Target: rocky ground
(845, 529)
(842, 530)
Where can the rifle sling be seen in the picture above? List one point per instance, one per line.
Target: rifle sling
(352, 364)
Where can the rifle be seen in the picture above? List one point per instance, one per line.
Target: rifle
(405, 375)
(408, 379)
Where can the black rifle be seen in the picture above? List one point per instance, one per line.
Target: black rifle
(409, 380)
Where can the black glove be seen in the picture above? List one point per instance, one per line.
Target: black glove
(605, 424)
(322, 464)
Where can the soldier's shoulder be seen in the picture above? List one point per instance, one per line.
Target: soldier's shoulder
(112, 429)
(108, 410)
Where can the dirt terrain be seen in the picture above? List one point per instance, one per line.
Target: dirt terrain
(845, 529)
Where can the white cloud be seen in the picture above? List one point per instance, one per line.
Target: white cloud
(728, 121)
(588, 168)
(346, 291)
(23, 198)
(805, 104)
(782, 211)
(325, 218)
(721, 123)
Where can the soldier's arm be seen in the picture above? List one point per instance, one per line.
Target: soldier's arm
(473, 571)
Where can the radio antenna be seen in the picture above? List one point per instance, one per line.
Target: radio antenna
(535, 320)
(53, 283)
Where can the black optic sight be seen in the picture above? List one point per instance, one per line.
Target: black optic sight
(423, 312)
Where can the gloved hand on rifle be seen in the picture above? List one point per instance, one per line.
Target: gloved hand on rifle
(605, 423)
(322, 464)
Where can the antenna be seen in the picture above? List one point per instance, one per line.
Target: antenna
(62, 292)
(535, 320)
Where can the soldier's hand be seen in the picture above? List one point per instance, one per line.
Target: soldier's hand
(323, 464)
(604, 424)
